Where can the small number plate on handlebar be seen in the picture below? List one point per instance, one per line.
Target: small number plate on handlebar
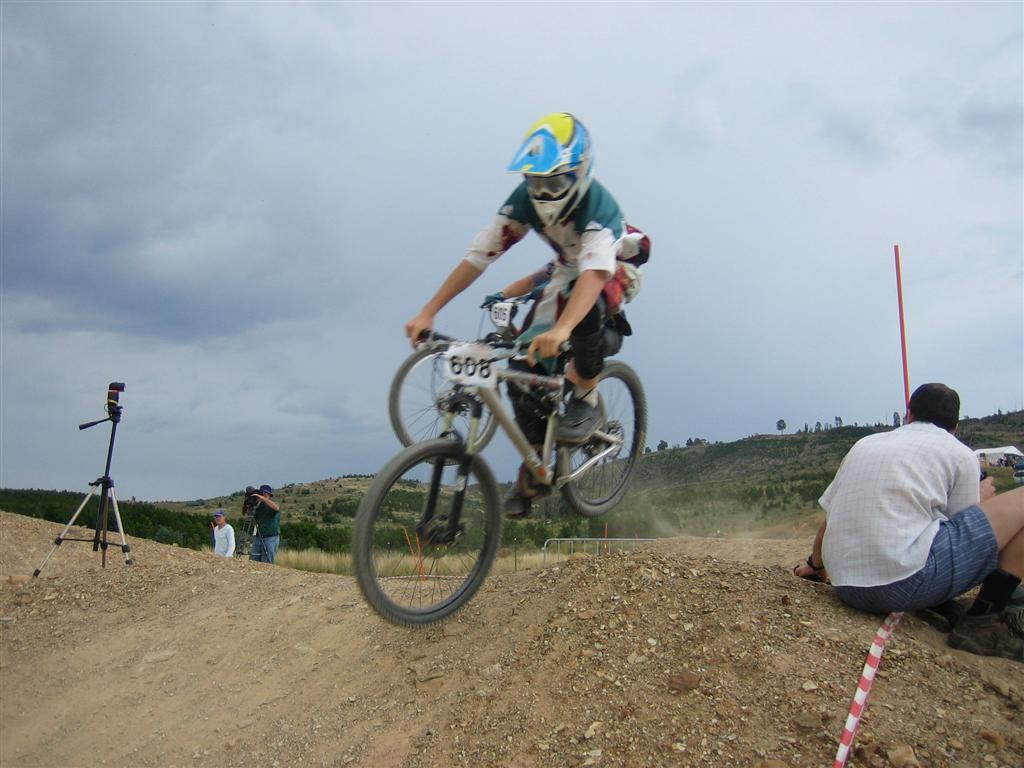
(501, 314)
(471, 365)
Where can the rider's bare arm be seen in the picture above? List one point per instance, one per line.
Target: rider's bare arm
(534, 281)
(519, 287)
(459, 280)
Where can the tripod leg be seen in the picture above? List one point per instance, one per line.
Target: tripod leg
(120, 528)
(100, 538)
(62, 534)
(264, 558)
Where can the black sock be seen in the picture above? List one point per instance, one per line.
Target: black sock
(995, 593)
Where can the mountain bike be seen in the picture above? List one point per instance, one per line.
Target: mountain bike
(429, 526)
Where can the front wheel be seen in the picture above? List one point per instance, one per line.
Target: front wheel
(603, 485)
(416, 563)
(421, 397)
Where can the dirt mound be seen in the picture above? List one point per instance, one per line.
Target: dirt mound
(698, 652)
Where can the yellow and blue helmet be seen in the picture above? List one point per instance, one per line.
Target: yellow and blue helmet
(556, 159)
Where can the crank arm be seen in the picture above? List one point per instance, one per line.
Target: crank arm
(613, 447)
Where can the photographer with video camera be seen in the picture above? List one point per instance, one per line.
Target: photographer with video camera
(265, 514)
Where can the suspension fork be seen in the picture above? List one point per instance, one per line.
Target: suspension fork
(448, 528)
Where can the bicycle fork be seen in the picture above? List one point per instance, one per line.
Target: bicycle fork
(445, 528)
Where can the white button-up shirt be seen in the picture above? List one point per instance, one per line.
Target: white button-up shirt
(885, 504)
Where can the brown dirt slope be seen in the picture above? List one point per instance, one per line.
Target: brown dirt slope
(699, 652)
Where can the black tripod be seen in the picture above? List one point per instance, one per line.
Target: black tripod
(106, 486)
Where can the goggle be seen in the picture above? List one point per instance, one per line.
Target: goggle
(550, 187)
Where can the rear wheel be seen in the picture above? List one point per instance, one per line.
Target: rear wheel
(413, 565)
(603, 485)
(421, 395)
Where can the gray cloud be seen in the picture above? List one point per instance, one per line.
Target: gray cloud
(850, 135)
(234, 209)
(992, 131)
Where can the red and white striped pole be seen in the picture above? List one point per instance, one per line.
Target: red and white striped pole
(867, 677)
(903, 327)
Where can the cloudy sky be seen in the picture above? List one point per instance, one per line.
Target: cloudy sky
(234, 208)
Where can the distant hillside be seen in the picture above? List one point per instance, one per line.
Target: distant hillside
(765, 482)
(765, 485)
(994, 431)
(334, 498)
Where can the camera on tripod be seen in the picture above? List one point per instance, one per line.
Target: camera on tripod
(114, 390)
(251, 501)
(103, 484)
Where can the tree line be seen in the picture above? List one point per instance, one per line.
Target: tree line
(166, 526)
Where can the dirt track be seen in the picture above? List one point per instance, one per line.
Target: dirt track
(699, 652)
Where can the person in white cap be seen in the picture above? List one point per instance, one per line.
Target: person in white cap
(223, 535)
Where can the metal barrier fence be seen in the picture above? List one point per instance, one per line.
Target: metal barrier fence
(596, 546)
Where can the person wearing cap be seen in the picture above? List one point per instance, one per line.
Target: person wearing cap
(267, 518)
(906, 529)
(223, 535)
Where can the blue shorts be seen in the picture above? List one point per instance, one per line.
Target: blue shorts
(963, 553)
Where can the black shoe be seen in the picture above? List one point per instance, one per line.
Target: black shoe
(990, 634)
(1017, 598)
(944, 616)
(580, 421)
(516, 506)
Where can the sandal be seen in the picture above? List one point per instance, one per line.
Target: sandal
(816, 575)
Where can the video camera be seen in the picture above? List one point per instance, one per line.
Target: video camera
(114, 390)
(251, 500)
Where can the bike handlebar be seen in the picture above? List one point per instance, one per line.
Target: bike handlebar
(427, 335)
(515, 345)
(497, 298)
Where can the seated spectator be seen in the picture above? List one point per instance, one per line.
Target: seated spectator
(905, 529)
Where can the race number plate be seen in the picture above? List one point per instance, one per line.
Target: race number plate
(501, 314)
(471, 365)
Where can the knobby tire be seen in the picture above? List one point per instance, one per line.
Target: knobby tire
(378, 585)
(580, 495)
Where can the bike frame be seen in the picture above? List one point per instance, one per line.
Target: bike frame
(539, 465)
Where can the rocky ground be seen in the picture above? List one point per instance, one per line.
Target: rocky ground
(697, 652)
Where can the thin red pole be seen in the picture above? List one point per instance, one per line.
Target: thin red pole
(903, 328)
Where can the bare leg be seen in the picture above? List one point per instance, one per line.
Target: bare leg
(572, 375)
(1005, 514)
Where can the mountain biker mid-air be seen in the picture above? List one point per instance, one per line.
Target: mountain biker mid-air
(581, 288)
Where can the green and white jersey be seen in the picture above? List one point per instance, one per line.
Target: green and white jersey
(589, 239)
(592, 238)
